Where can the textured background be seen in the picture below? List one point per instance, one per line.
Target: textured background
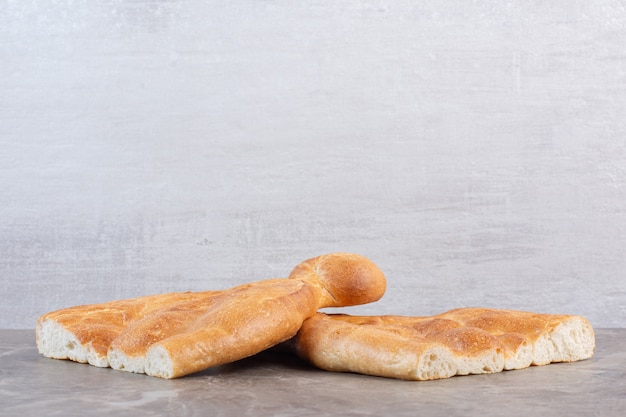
(476, 151)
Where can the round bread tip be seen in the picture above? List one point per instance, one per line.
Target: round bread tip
(346, 279)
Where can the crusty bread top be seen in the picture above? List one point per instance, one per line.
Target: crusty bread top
(467, 330)
(346, 279)
(458, 342)
(97, 325)
(199, 330)
(239, 323)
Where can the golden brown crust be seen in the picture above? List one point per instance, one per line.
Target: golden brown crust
(171, 335)
(345, 279)
(239, 326)
(461, 341)
(98, 325)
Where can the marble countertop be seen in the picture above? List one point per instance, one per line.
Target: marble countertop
(274, 384)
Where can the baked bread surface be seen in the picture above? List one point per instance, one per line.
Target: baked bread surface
(175, 334)
(458, 342)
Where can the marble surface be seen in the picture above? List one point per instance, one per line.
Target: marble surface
(278, 385)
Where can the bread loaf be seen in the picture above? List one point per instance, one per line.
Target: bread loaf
(171, 335)
(84, 333)
(458, 342)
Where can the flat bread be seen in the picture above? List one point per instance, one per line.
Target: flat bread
(458, 342)
(175, 334)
